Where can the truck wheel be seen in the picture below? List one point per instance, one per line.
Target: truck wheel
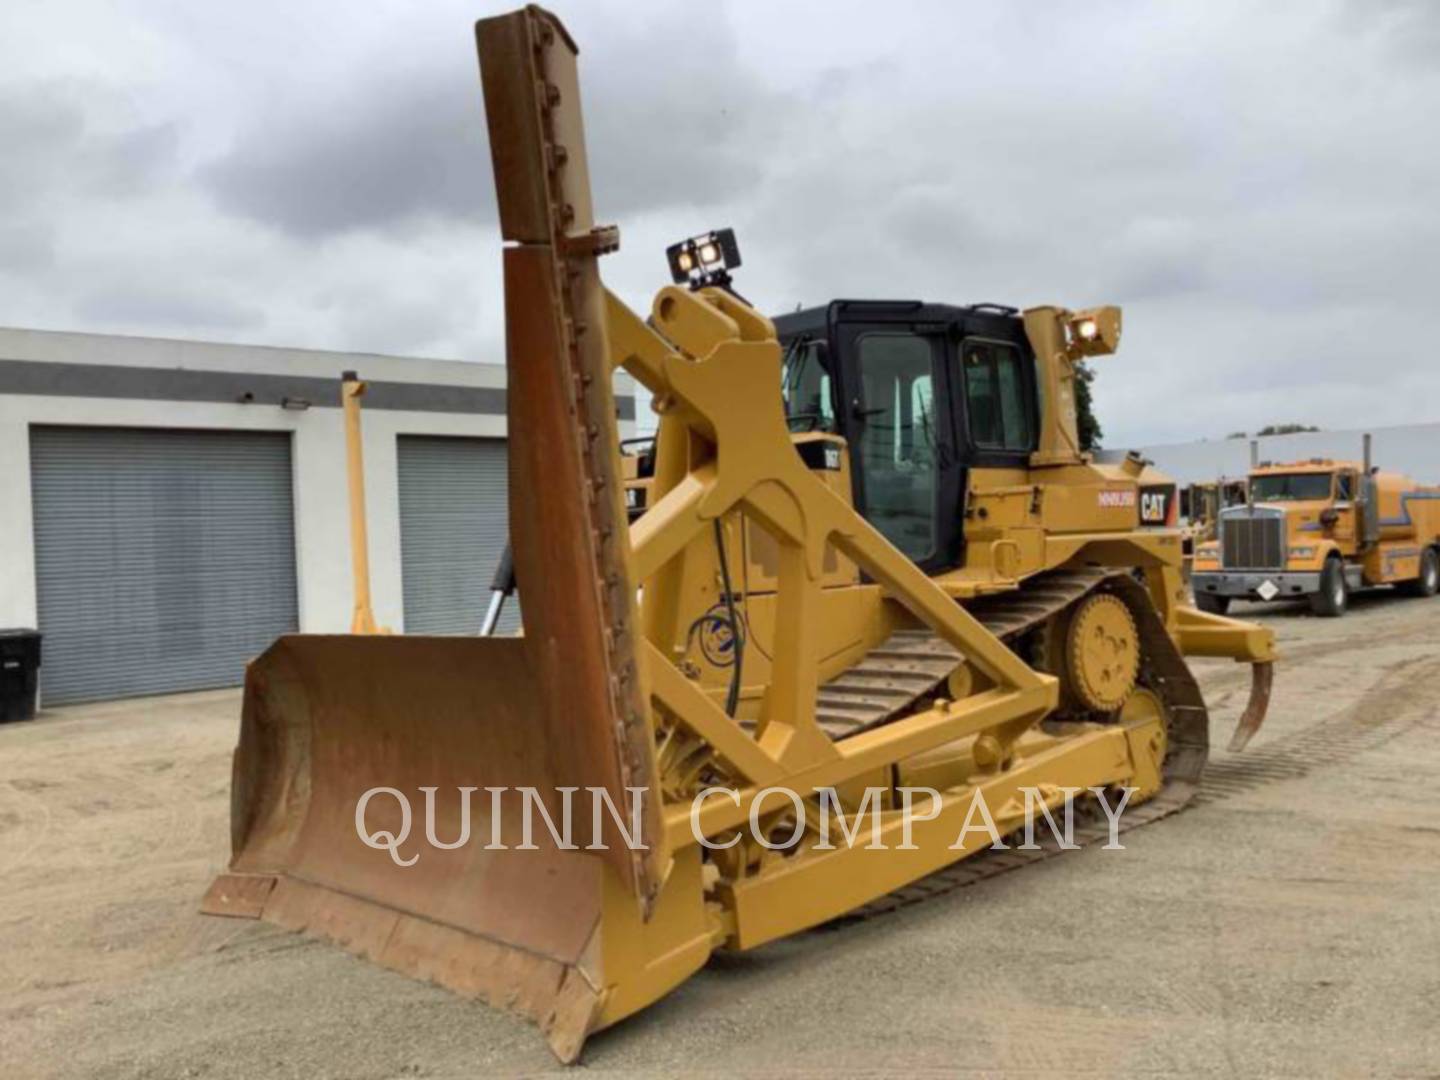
(1334, 595)
(1428, 583)
(1212, 604)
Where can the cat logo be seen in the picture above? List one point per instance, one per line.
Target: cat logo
(1156, 504)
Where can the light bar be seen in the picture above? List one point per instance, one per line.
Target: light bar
(704, 260)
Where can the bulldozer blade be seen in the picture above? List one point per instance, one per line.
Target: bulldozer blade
(348, 738)
(1262, 676)
(510, 916)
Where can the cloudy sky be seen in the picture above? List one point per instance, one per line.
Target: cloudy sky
(1258, 184)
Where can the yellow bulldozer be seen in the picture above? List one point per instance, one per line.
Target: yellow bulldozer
(872, 561)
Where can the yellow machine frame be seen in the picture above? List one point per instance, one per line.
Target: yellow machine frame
(712, 366)
(596, 691)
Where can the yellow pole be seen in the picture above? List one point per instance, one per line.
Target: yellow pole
(351, 391)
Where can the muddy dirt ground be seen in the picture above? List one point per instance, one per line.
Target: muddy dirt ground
(1288, 924)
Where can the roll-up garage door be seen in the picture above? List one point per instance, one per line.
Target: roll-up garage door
(164, 560)
(453, 526)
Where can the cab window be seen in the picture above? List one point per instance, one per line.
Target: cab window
(806, 389)
(1290, 487)
(995, 398)
(897, 437)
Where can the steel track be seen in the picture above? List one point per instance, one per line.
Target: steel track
(1011, 617)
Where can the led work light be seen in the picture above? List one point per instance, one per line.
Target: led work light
(704, 260)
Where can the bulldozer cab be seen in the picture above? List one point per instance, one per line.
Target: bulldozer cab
(921, 393)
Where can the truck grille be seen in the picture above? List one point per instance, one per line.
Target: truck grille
(1252, 543)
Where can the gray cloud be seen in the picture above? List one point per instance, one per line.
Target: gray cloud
(368, 160)
(130, 162)
(1410, 29)
(1254, 184)
(26, 247)
(140, 303)
(52, 147)
(409, 141)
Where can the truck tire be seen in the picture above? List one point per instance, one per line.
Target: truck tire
(1428, 583)
(1334, 595)
(1212, 604)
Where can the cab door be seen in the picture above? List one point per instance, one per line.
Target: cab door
(894, 411)
(1349, 525)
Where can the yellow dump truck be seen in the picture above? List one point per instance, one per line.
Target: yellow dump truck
(1320, 529)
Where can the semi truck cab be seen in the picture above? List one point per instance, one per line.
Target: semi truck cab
(1318, 530)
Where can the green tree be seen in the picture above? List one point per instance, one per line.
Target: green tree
(1086, 425)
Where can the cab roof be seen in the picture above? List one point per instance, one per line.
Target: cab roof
(1309, 465)
(1000, 319)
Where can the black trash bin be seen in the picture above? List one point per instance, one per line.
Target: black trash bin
(19, 674)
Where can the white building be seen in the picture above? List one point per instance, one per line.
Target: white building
(1412, 449)
(168, 507)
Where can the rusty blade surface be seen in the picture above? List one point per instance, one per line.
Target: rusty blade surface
(1262, 676)
(327, 719)
(568, 525)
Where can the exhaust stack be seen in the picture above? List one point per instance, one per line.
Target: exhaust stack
(363, 619)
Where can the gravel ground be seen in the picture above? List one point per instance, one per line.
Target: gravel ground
(1288, 924)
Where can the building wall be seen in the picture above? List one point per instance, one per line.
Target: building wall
(1413, 449)
(107, 369)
